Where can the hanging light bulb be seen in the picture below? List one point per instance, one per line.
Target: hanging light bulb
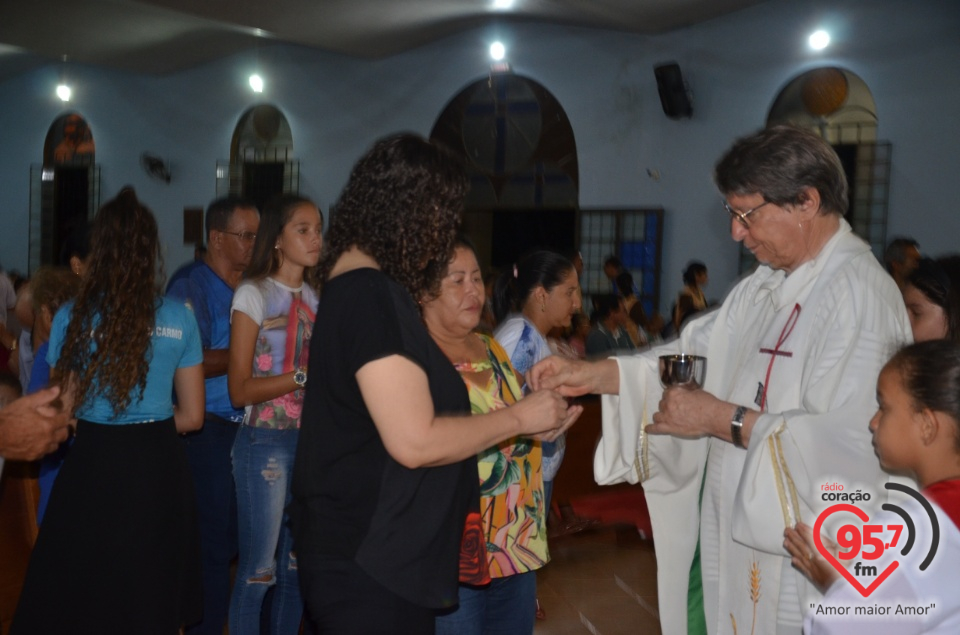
(256, 80)
(63, 89)
(819, 40)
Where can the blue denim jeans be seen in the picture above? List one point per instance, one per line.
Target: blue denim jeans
(506, 607)
(208, 452)
(262, 469)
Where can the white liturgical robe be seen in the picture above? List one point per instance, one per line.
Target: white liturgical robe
(819, 398)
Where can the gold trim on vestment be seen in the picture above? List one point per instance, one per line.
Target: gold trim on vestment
(779, 477)
(795, 499)
(641, 464)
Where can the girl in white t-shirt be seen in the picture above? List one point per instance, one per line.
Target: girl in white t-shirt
(271, 321)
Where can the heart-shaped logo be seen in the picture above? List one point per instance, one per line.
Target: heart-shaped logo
(862, 515)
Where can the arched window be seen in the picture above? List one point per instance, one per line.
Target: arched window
(831, 100)
(261, 157)
(521, 154)
(64, 189)
(838, 104)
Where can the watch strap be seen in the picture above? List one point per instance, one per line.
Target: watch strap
(736, 427)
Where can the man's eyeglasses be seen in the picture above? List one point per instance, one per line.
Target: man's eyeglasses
(742, 216)
(247, 237)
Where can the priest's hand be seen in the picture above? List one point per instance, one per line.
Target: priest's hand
(33, 426)
(572, 378)
(689, 413)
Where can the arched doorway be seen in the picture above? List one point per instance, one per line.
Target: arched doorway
(261, 163)
(520, 151)
(521, 155)
(838, 104)
(64, 190)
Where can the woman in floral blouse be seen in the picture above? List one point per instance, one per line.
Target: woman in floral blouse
(270, 326)
(511, 481)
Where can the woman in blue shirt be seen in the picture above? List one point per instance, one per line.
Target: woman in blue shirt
(118, 550)
(541, 293)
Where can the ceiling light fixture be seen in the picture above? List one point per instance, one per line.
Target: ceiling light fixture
(63, 89)
(819, 40)
(497, 51)
(256, 80)
(502, 5)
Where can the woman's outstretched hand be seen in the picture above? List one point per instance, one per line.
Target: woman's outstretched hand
(545, 414)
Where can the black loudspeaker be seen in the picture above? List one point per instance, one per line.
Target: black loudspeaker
(673, 91)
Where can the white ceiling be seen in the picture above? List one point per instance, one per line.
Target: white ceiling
(164, 36)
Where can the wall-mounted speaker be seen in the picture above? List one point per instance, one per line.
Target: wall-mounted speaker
(673, 91)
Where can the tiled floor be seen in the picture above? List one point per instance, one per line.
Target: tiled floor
(601, 581)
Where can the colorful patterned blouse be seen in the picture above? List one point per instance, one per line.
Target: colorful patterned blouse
(511, 480)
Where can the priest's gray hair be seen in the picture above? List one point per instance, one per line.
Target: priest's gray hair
(779, 163)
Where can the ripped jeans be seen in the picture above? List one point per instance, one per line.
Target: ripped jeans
(262, 469)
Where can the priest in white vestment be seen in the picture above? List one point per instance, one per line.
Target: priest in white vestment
(793, 356)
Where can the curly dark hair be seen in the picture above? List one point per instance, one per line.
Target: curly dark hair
(265, 260)
(117, 304)
(401, 206)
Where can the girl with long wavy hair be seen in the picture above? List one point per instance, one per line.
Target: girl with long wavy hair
(271, 323)
(118, 550)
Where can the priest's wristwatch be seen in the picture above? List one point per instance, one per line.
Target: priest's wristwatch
(300, 377)
(736, 427)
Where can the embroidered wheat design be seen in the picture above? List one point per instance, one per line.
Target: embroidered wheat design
(754, 592)
(734, 620)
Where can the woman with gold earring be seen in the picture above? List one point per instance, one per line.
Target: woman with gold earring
(539, 293)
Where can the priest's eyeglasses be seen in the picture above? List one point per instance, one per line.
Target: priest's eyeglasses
(742, 216)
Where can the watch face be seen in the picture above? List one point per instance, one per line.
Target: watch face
(300, 377)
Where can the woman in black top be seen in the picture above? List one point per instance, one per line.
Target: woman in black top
(385, 488)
